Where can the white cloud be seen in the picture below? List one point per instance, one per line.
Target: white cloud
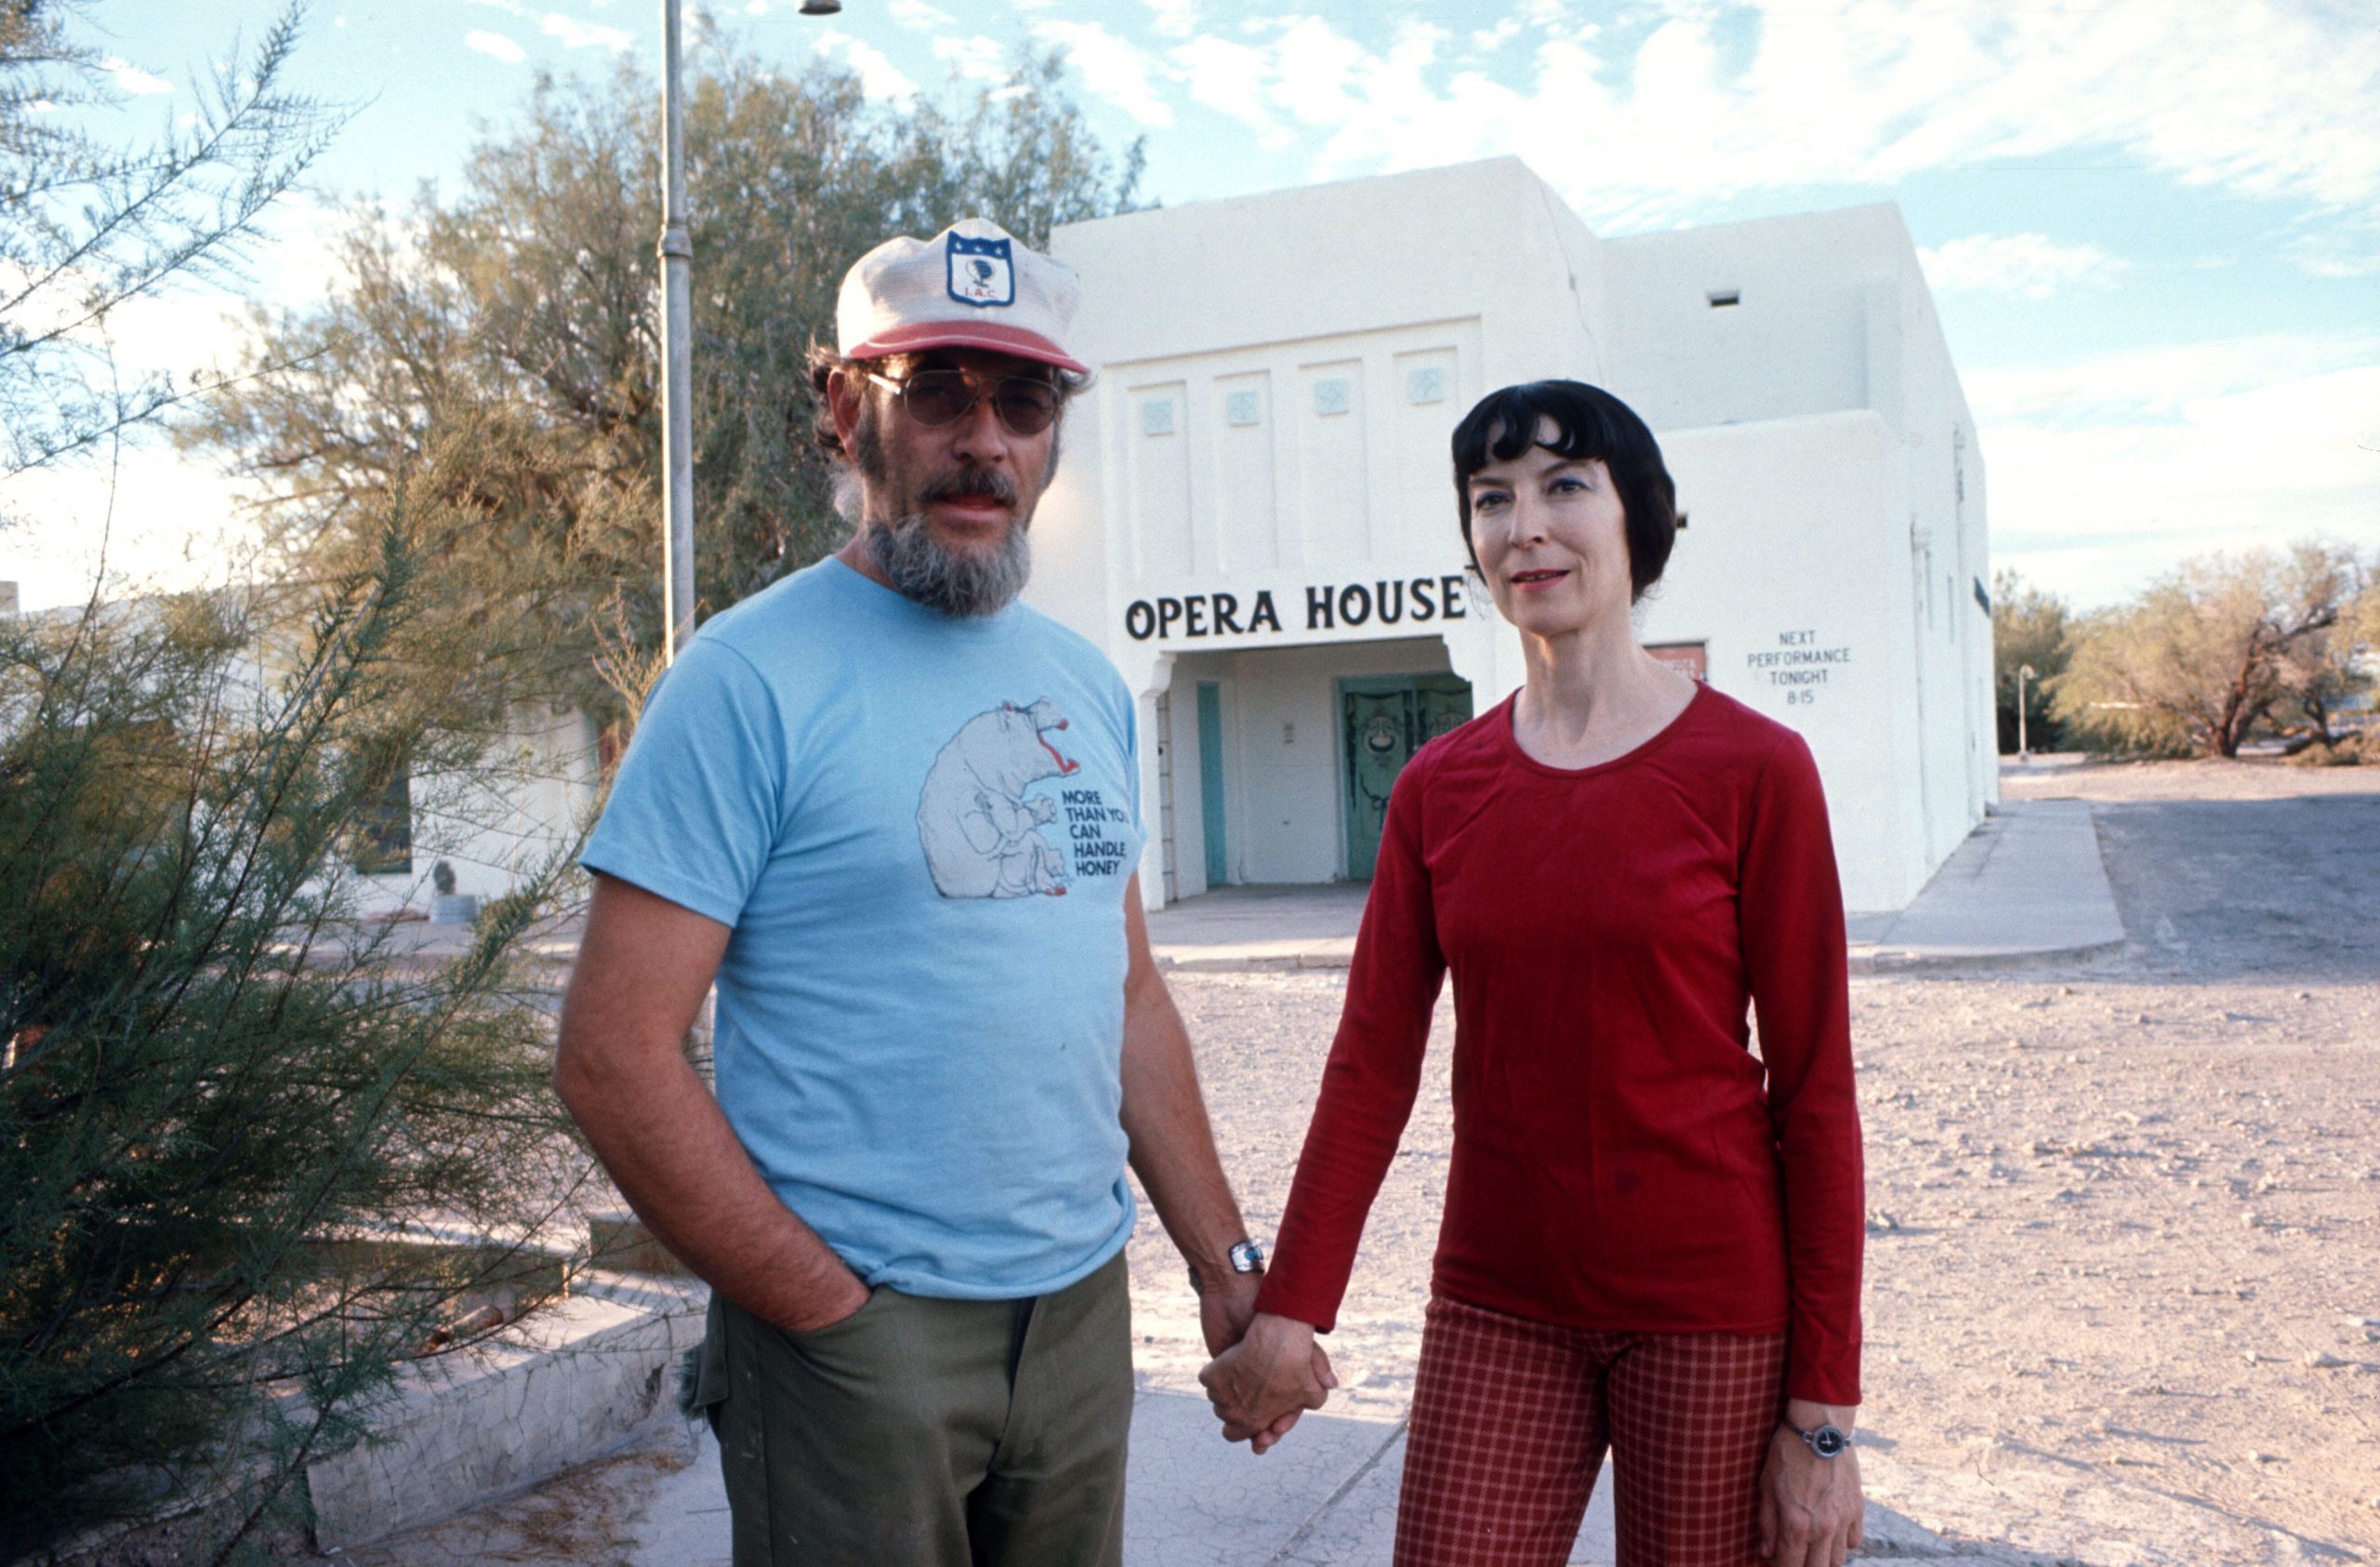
(582, 35)
(494, 44)
(2027, 266)
(2107, 472)
(879, 77)
(1230, 79)
(2144, 384)
(1173, 19)
(2257, 96)
(976, 58)
(1496, 37)
(1112, 68)
(132, 79)
(919, 17)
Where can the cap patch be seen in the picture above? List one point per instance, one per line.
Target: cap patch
(980, 271)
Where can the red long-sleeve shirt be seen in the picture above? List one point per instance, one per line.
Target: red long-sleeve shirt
(1622, 1159)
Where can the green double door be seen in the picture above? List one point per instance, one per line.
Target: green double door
(1384, 720)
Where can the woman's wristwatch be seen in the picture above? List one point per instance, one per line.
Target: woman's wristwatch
(1245, 1257)
(1826, 1441)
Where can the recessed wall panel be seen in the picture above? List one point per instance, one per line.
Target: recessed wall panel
(1334, 511)
(1425, 394)
(1245, 517)
(1158, 444)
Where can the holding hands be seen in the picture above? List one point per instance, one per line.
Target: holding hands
(1262, 1383)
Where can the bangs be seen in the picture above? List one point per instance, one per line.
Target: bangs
(1504, 424)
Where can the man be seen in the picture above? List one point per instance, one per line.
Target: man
(896, 814)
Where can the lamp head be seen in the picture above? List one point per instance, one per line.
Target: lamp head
(821, 8)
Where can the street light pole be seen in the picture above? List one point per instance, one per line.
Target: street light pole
(2024, 673)
(677, 346)
(677, 367)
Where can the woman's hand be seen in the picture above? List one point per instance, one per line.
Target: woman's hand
(1811, 1509)
(1260, 1386)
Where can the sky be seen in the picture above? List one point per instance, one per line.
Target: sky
(2151, 227)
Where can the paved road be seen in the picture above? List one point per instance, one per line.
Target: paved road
(2248, 889)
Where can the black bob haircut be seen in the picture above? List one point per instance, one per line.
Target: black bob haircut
(1589, 423)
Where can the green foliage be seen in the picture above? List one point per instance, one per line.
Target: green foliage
(2215, 648)
(2028, 628)
(500, 343)
(85, 226)
(222, 1097)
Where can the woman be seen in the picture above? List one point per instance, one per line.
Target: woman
(1652, 1237)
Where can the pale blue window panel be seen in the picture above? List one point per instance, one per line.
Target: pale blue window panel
(1427, 383)
(1157, 416)
(1241, 408)
(1332, 395)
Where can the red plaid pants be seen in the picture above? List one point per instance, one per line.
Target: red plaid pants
(1510, 1418)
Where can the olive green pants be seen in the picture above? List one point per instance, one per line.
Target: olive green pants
(927, 1433)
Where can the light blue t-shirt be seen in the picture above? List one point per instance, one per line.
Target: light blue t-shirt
(921, 829)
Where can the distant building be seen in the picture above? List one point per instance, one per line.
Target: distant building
(1255, 515)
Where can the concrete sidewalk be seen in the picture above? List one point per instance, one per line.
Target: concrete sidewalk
(1259, 927)
(2027, 886)
(1327, 1496)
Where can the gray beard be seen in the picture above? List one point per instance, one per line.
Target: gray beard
(963, 587)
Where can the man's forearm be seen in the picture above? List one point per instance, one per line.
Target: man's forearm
(1172, 1144)
(670, 1151)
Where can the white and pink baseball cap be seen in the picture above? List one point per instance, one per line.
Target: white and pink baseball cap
(971, 286)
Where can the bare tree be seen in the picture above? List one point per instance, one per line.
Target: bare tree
(2219, 645)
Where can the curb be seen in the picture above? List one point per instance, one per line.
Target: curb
(573, 1381)
(1912, 959)
(1255, 965)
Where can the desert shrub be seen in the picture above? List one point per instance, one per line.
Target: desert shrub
(225, 1103)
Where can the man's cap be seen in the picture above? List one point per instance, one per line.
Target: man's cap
(971, 286)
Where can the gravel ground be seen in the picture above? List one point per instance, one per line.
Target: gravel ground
(2124, 1279)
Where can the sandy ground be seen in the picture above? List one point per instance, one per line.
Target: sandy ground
(2124, 1266)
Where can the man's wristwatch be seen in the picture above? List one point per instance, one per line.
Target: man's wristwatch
(1826, 1441)
(1245, 1257)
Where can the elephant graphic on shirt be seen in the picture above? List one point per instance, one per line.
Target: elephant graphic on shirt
(980, 831)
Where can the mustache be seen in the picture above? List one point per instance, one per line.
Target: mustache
(971, 483)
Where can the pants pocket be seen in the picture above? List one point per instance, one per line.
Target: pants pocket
(702, 1370)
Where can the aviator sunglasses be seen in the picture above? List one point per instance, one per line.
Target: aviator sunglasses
(1027, 405)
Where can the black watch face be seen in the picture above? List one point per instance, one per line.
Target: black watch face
(1828, 1442)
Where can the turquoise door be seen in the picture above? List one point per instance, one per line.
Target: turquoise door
(1210, 777)
(1384, 720)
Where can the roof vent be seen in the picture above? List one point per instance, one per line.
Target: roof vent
(1725, 298)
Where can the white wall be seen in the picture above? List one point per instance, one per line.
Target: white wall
(1222, 310)
(1833, 316)
(1791, 570)
(1796, 343)
(532, 794)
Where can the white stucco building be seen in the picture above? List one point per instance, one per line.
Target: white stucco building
(1255, 515)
